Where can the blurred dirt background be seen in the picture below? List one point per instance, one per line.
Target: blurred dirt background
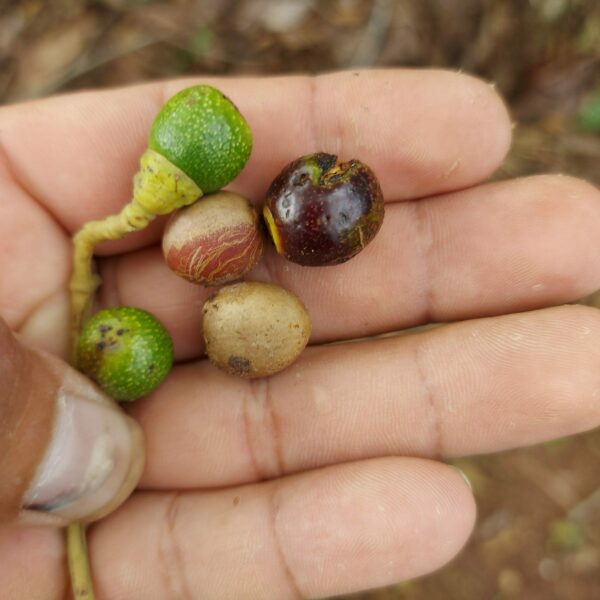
(538, 535)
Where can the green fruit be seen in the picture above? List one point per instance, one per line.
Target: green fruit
(202, 133)
(126, 351)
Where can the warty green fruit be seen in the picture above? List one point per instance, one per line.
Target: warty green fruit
(202, 133)
(126, 350)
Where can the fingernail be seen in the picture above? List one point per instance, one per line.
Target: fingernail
(464, 476)
(93, 462)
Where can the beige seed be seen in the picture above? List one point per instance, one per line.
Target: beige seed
(254, 329)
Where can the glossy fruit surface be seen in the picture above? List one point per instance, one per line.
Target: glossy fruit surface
(214, 241)
(202, 133)
(126, 351)
(319, 212)
(254, 329)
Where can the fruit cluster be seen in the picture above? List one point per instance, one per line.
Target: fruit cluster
(317, 212)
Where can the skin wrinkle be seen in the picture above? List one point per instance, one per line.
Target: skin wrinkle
(451, 169)
(263, 439)
(275, 428)
(425, 247)
(274, 509)
(438, 447)
(247, 398)
(175, 575)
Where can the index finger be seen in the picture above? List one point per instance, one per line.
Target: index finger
(422, 132)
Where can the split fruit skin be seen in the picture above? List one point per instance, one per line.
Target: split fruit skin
(202, 132)
(254, 329)
(215, 240)
(321, 213)
(126, 350)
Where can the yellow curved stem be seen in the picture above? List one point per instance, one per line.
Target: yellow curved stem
(79, 568)
(159, 188)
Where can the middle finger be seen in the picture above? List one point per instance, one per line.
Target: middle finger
(473, 387)
(498, 248)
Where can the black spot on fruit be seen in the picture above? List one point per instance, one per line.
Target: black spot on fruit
(239, 365)
(125, 366)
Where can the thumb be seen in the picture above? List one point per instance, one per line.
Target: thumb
(66, 451)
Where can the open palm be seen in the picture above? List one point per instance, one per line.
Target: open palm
(324, 479)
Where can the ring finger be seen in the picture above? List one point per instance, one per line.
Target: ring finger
(472, 387)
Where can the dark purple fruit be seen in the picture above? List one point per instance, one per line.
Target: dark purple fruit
(319, 212)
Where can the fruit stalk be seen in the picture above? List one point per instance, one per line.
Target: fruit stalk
(83, 284)
(84, 281)
(198, 143)
(159, 189)
(79, 568)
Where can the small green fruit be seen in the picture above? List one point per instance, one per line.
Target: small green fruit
(202, 133)
(126, 351)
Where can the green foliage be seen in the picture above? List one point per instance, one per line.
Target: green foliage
(588, 115)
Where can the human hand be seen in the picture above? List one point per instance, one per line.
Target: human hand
(324, 479)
